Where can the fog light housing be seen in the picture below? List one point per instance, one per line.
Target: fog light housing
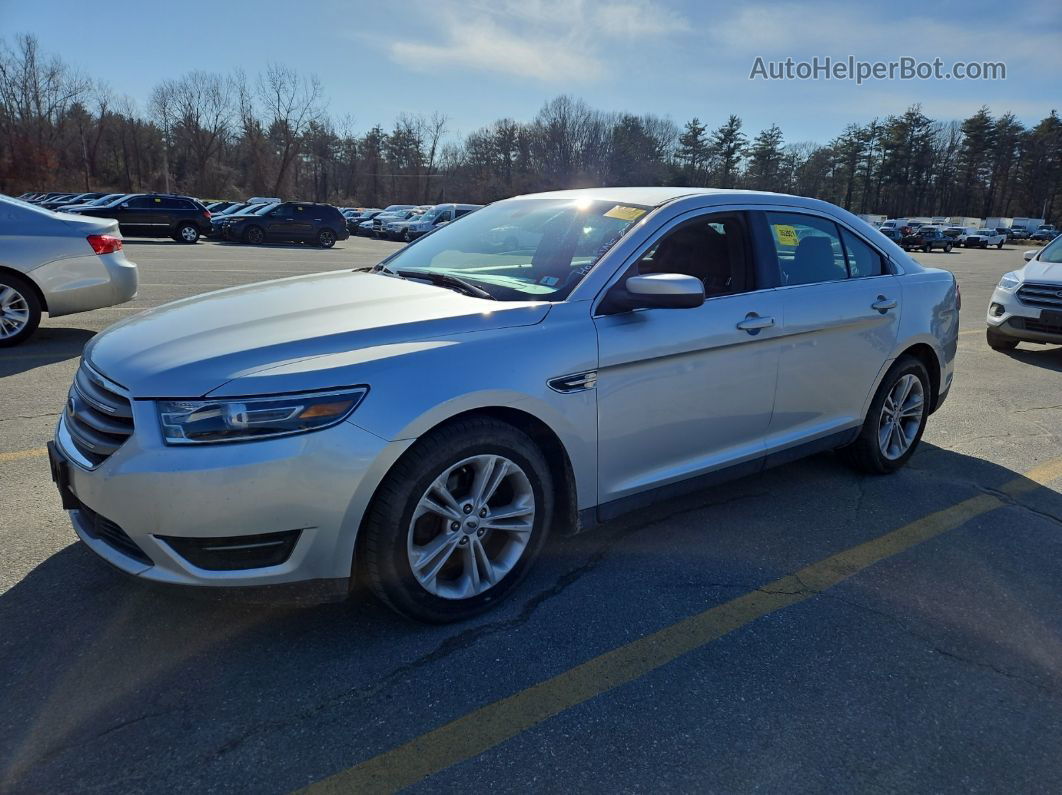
(996, 310)
(235, 553)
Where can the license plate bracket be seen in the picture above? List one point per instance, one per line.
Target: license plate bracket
(60, 468)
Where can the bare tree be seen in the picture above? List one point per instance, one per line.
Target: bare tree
(291, 103)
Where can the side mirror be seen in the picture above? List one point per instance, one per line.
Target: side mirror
(124, 205)
(656, 291)
(1030, 254)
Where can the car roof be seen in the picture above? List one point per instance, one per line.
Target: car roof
(656, 196)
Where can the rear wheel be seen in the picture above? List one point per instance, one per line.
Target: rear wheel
(895, 422)
(999, 244)
(20, 310)
(326, 238)
(947, 248)
(999, 342)
(926, 249)
(187, 233)
(254, 235)
(458, 521)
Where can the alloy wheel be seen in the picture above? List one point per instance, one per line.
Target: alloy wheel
(14, 311)
(901, 417)
(471, 527)
(189, 234)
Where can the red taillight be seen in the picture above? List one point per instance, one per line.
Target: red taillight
(105, 244)
(206, 214)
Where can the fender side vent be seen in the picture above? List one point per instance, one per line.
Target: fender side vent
(577, 382)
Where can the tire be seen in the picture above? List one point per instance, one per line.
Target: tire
(254, 235)
(20, 310)
(326, 238)
(393, 530)
(927, 249)
(999, 244)
(999, 342)
(947, 248)
(187, 233)
(866, 453)
(406, 237)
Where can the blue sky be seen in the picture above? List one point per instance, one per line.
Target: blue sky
(476, 60)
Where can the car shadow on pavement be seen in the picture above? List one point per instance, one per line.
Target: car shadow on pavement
(46, 346)
(1047, 358)
(100, 673)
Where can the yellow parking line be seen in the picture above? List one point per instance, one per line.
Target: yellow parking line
(486, 727)
(19, 455)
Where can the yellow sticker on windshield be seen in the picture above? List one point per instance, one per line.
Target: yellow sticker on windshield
(158, 200)
(621, 213)
(786, 234)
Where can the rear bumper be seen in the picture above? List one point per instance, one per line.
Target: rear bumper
(91, 281)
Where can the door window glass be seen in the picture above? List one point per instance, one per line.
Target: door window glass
(808, 248)
(711, 248)
(862, 259)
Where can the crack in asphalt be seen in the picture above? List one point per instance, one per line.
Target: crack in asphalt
(938, 649)
(468, 637)
(1007, 499)
(30, 416)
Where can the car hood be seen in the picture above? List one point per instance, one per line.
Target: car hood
(191, 347)
(1037, 271)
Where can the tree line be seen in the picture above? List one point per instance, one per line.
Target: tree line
(213, 136)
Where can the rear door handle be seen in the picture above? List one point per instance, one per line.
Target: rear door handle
(883, 304)
(753, 323)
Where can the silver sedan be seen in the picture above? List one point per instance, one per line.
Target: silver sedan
(59, 264)
(426, 424)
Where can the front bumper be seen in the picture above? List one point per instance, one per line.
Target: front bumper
(1022, 322)
(318, 484)
(92, 281)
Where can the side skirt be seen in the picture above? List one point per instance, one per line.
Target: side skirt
(590, 517)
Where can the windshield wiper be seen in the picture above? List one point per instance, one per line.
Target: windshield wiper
(444, 280)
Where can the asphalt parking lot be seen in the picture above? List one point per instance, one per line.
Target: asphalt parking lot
(808, 629)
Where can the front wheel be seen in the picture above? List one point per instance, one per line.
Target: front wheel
(458, 521)
(326, 238)
(254, 235)
(20, 310)
(926, 249)
(999, 244)
(947, 248)
(895, 422)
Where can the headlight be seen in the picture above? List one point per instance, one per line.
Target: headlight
(1010, 281)
(240, 419)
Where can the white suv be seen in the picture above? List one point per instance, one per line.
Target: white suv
(1026, 305)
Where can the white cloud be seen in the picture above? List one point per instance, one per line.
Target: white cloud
(638, 19)
(485, 46)
(548, 40)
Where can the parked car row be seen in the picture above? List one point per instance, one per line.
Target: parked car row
(259, 219)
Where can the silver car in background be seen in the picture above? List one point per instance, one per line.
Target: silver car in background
(59, 264)
(425, 424)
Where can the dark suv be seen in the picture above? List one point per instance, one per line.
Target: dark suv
(156, 215)
(927, 238)
(322, 224)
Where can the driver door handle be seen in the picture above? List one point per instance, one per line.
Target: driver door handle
(883, 304)
(753, 323)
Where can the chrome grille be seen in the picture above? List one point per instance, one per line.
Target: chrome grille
(1048, 296)
(98, 418)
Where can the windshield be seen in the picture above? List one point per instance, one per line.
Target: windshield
(523, 249)
(1052, 252)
